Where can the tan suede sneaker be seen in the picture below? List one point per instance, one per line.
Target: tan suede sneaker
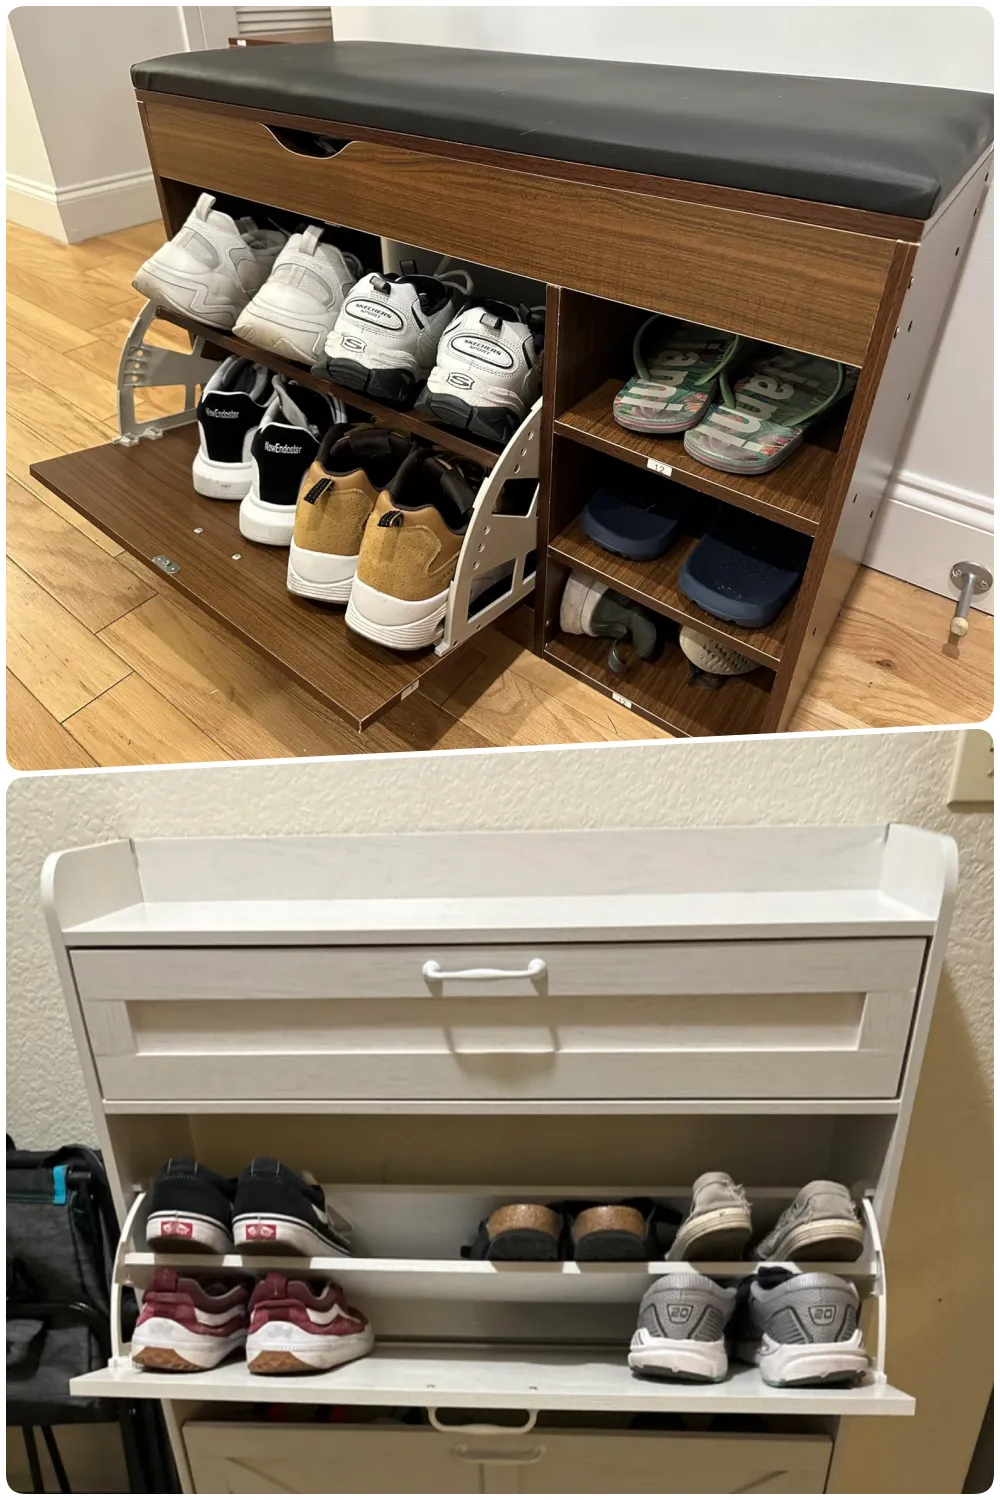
(336, 499)
(409, 554)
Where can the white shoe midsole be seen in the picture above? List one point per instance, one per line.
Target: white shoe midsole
(404, 624)
(265, 1233)
(786, 1364)
(218, 481)
(186, 1229)
(692, 1357)
(206, 1350)
(327, 576)
(270, 524)
(319, 1350)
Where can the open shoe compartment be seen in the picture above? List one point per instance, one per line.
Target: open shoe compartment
(140, 492)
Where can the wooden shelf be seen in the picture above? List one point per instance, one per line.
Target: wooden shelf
(473, 1377)
(661, 692)
(389, 416)
(143, 497)
(793, 494)
(471, 1280)
(656, 585)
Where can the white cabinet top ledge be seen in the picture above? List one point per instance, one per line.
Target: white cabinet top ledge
(714, 884)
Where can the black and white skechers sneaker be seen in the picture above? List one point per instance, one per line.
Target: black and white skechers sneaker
(279, 1209)
(385, 338)
(191, 1209)
(232, 407)
(487, 374)
(284, 445)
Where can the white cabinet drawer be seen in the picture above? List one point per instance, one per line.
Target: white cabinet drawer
(788, 1019)
(242, 1458)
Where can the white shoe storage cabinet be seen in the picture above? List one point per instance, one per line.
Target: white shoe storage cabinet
(600, 1014)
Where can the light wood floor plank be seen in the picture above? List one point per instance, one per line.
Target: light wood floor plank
(46, 329)
(73, 304)
(24, 448)
(37, 406)
(69, 380)
(85, 580)
(35, 740)
(134, 725)
(58, 660)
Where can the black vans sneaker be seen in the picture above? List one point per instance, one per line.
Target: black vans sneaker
(232, 407)
(278, 1209)
(191, 1208)
(284, 445)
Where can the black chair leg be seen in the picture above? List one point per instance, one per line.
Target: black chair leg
(34, 1467)
(62, 1479)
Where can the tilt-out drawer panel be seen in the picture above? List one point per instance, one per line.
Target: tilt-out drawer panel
(630, 245)
(781, 1019)
(235, 1458)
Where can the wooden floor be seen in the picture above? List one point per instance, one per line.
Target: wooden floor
(107, 665)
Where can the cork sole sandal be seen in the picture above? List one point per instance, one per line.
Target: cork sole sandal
(520, 1231)
(613, 1232)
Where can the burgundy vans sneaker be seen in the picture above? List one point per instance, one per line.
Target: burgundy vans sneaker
(189, 1324)
(298, 1327)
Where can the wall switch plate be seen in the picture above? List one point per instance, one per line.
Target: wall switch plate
(972, 778)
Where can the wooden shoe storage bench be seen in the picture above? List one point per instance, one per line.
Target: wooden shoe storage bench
(607, 246)
(751, 1000)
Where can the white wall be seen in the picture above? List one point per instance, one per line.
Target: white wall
(938, 1345)
(27, 161)
(940, 508)
(75, 61)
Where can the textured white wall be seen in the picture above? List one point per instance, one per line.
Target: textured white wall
(937, 1345)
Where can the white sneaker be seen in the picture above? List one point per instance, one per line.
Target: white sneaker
(297, 306)
(386, 337)
(231, 409)
(281, 451)
(212, 266)
(487, 373)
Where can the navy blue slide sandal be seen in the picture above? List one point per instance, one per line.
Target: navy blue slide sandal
(638, 517)
(745, 569)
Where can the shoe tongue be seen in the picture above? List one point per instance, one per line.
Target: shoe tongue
(454, 486)
(494, 314)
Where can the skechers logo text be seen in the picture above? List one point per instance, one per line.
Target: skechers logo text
(492, 354)
(371, 312)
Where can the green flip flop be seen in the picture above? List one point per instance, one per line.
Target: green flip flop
(760, 421)
(677, 374)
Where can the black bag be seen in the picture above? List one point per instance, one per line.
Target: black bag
(62, 1233)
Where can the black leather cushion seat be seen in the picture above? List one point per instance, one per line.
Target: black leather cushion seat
(891, 148)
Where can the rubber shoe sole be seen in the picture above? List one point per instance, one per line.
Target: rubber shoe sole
(187, 1234)
(179, 293)
(820, 1239)
(323, 576)
(718, 1234)
(496, 424)
(396, 386)
(218, 481)
(843, 1364)
(163, 1345)
(301, 340)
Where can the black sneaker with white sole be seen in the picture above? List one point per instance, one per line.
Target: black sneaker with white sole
(232, 406)
(278, 1209)
(284, 445)
(191, 1209)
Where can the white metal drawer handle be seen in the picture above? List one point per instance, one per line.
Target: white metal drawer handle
(499, 1457)
(433, 972)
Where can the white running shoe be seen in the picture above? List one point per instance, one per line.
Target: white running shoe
(284, 445)
(487, 373)
(231, 409)
(386, 337)
(297, 306)
(212, 266)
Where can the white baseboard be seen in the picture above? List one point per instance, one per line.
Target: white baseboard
(925, 526)
(83, 209)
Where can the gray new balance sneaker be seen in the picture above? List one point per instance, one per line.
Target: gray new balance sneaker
(821, 1224)
(681, 1333)
(799, 1329)
(718, 1223)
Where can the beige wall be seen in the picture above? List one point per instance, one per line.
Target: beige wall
(940, 1251)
